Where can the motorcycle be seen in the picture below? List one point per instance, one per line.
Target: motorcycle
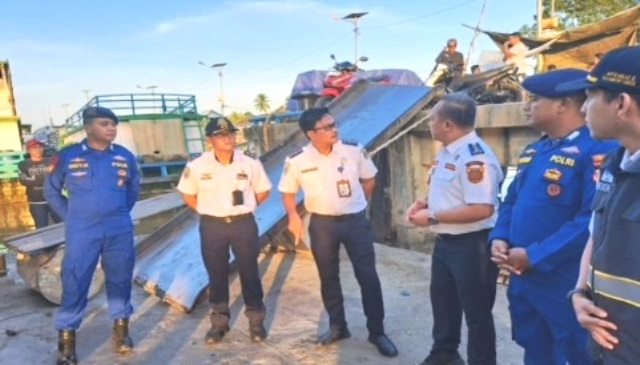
(495, 86)
(340, 79)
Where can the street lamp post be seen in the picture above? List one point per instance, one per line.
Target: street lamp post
(353, 18)
(86, 94)
(218, 66)
(153, 95)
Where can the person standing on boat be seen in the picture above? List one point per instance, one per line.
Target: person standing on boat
(337, 178)
(225, 186)
(32, 175)
(102, 185)
(543, 221)
(461, 210)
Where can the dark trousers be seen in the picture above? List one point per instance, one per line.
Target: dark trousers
(216, 236)
(463, 280)
(355, 232)
(40, 214)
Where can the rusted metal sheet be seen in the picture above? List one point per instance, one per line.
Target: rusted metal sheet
(367, 113)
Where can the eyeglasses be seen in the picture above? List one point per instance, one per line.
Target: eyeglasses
(327, 128)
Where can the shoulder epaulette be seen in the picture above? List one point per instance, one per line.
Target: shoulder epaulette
(350, 142)
(475, 149)
(250, 154)
(295, 153)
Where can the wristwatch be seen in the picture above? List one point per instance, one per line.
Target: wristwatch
(433, 220)
(585, 292)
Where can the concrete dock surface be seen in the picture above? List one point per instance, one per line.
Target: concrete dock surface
(295, 316)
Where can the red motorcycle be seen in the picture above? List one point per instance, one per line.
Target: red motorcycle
(338, 80)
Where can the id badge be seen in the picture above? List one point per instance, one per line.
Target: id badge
(344, 188)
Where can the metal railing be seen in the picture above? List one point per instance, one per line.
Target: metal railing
(9, 164)
(140, 104)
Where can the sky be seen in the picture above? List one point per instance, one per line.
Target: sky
(58, 48)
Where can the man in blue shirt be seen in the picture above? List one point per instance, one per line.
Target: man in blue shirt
(102, 184)
(542, 225)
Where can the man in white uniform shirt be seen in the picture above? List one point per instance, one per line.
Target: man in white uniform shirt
(337, 178)
(225, 186)
(460, 209)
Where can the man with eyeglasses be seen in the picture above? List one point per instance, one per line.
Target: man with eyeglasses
(225, 186)
(337, 178)
(542, 225)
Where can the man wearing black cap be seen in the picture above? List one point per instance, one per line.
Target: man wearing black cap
(225, 186)
(543, 222)
(337, 178)
(449, 59)
(32, 174)
(606, 297)
(102, 184)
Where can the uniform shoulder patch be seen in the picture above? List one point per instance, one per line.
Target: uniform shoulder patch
(475, 171)
(295, 153)
(350, 142)
(475, 149)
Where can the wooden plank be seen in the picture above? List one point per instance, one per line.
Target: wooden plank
(51, 236)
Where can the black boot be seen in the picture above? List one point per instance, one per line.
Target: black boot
(67, 348)
(121, 340)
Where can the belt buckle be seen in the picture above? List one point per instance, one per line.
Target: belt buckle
(227, 219)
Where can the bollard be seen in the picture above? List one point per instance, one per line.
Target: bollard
(3, 265)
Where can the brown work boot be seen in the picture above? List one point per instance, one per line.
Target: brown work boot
(219, 327)
(122, 343)
(257, 332)
(67, 348)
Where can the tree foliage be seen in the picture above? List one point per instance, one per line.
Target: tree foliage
(239, 119)
(575, 13)
(261, 103)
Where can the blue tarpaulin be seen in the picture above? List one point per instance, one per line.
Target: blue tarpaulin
(310, 82)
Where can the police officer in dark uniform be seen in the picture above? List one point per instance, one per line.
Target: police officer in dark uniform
(102, 184)
(337, 178)
(225, 186)
(542, 224)
(606, 298)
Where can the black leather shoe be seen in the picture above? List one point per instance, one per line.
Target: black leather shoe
(384, 345)
(122, 342)
(443, 358)
(215, 335)
(257, 333)
(334, 334)
(67, 348)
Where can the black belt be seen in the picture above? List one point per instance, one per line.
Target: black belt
(461, 236)
(230, 218)
(342, 217)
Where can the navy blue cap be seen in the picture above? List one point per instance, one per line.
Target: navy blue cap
(97, 112)
(618, 70)
(219, 125)
(545, 84)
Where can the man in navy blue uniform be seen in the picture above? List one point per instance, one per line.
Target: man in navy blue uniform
(102, 184)
(543, 222)
(607, 294)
